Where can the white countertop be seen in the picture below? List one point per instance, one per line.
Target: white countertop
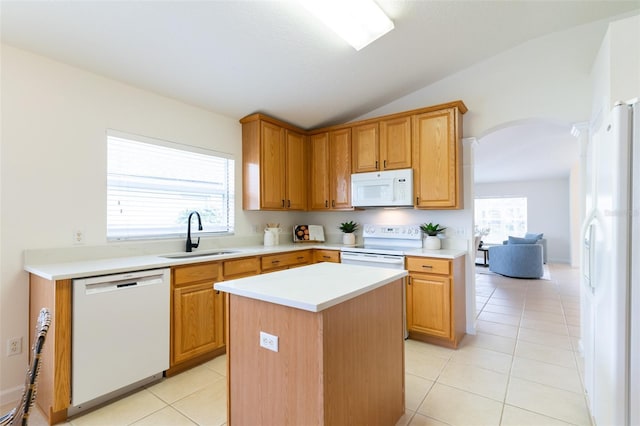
(93, 267)
(314, 287)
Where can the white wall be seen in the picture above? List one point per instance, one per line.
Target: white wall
(548, 210)
(53, 167)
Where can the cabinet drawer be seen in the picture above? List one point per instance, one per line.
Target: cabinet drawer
(194, 273)
(429, 265)
(279, 261)
(326, 256)
(237, 268)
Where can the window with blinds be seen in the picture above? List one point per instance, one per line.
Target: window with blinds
(153, 186)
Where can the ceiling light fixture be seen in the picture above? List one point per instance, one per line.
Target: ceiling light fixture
(358, 22)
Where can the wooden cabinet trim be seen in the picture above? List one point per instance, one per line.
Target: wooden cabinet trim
(454, 104)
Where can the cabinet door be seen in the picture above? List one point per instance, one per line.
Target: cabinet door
(437, 171)
(395, 143)
(273, 166)
(365, 148)
(429, 305)
(198, 321)
(296, 175)
(319, 169)
(340, 168)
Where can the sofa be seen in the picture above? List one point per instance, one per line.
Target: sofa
(518, 258)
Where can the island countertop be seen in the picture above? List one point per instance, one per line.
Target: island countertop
(312, 288)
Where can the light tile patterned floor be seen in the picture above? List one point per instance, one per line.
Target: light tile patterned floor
(522, 368)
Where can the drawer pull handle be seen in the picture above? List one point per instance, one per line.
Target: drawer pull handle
(275, 261)
(326, 257)
(300, 257)
(427, 266)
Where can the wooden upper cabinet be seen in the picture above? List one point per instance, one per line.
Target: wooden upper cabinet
(365, 152)
(382, 145)
(395, 143)
(330, 166)
(286, 168)
(274, 161)
(437, 162)
(296, 176)
(319, 170)
(340, 168)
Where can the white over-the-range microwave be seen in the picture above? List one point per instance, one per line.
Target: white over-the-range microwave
(389, 188)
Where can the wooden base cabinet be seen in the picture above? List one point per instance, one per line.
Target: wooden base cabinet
(280, 261)
(197, 317)
(54, 384)
(436, 308)
(323, 255)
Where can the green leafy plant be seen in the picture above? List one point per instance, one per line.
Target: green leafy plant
(348, 227)
(431, 229)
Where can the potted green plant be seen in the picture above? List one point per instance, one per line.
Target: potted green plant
(349, 238)
(431, 230)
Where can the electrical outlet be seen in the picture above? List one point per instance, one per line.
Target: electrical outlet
(254, 228)
(14, 346)
(269, 341)
(78, 236)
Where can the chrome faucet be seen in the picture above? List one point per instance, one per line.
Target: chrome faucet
(192, 245)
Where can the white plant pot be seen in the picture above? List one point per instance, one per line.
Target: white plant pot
(431, 243)
(349, 239)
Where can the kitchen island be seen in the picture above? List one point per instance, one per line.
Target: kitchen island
(334, 346)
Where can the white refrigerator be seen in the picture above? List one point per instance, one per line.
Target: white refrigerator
(610, 292)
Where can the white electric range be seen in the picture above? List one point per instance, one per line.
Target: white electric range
(384, 246)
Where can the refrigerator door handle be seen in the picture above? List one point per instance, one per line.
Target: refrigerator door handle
(588, 243)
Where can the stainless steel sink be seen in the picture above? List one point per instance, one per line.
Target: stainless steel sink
(198, 254)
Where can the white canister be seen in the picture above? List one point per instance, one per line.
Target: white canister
(276, 235)
(269, 237)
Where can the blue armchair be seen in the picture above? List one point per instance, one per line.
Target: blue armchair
(517, 260)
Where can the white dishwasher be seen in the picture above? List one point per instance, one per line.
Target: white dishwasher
(120, 334)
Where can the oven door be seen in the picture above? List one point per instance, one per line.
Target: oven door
(376, 260)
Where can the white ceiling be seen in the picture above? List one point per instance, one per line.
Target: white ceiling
(530, 150)
(240, 57)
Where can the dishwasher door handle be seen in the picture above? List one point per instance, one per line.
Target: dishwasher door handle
(104, 287)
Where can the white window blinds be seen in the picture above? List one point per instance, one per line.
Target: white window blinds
(153, 185)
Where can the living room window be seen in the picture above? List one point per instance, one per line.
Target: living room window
(153, 185)
(499, 217)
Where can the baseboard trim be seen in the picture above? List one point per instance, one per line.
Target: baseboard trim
(7, 396)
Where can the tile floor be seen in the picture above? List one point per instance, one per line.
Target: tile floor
(521, 368)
